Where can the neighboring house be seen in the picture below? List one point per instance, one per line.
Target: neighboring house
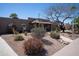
(27, 24)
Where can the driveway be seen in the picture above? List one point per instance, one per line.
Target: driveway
(5, 49)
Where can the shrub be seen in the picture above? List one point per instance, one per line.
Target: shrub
(55, 27)
(55, 35)
(15, 32)
(33, 46)
(38, 32)
(25, 33)
(19, 38)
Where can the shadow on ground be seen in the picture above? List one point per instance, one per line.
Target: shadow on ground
(41, 53)
(47, 42)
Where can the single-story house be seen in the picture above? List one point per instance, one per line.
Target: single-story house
(7, 23)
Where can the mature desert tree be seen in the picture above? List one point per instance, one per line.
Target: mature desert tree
(61, 13)
(14, 16)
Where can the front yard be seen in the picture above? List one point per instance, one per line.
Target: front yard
(50, 45)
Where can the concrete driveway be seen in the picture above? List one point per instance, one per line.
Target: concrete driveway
(5, 49)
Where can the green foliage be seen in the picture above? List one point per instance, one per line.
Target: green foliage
(38, 32)
(18, 38)
(76, 20)
(55, 27)
(14, 16)
(73, 8)
(76, 24)
(33, 46)
(55, 35)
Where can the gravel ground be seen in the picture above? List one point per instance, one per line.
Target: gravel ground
(50, 45)
(69, 35)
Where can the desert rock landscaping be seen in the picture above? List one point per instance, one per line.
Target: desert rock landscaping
(50, 45)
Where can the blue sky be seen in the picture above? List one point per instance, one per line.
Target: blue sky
(23, 10)
(26, 10)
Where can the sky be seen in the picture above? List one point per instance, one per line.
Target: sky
(25, 10)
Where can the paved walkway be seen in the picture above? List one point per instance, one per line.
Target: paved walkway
(5, 49)
(70, 50)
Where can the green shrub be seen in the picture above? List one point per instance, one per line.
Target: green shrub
(55, 35)
(38, 32)
(33, 46)
(18, 38)
(55, 27)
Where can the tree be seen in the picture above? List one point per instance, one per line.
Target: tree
(61, 12)
(76, 24)
(14, 16)
(76, 20)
